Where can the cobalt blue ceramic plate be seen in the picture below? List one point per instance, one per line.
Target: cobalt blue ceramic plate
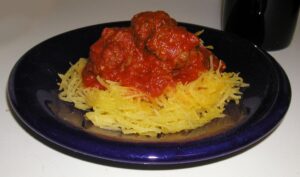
(32, 95)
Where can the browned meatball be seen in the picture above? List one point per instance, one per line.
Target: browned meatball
(172, 44)
(145, 24)
(113, 51)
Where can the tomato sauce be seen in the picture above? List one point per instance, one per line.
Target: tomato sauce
(152, 54)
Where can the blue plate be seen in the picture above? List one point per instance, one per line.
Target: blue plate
(32, 95)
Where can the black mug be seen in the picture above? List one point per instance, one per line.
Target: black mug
(267, 23)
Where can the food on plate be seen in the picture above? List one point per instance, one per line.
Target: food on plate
(153, 77)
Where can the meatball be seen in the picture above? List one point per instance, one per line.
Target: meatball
(113, 52)
(172, 44)
(145, 24)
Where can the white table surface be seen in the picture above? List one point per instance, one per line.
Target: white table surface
(26, 23)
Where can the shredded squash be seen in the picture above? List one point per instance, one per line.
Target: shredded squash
(119, 108)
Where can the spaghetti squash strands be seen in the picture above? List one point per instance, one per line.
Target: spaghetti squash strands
(184, 107)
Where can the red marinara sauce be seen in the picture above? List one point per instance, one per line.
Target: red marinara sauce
(152, 54)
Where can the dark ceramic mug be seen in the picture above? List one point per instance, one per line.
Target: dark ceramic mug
(267, 23)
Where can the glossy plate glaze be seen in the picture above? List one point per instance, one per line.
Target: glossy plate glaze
(32, 95)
